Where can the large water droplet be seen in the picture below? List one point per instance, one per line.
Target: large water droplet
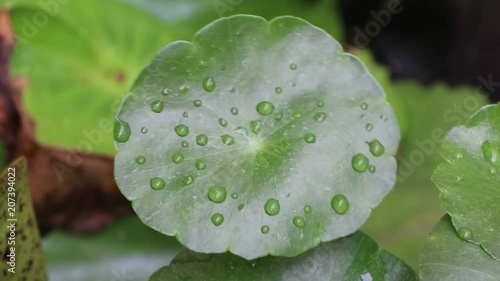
(234, 111)
(265, 229)
(182, 130)
(320, 116)
(376, 148)
(272, 207)
(188, 180)
(201, 165)
(202, 140)
(308, 209)
(491, 152)
(217, 194)
(256, 126)
(278, 90)
(340, 204)
(299, 222)
(157, 106)
(197, 103)
(360, 162)
(223, 122)
(183, 89)
(465, 233)
(157, 183)
(121, 131)
(364, 106)
(209, 84)
(177, 157)
(310, 138)
(140, 160)
(227, 139)
(265, 108)
(293, 66)
(217, 219)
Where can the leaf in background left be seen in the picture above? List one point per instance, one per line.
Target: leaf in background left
(20, 241)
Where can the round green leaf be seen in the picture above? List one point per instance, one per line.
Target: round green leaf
(260, 150)
(468, 182)
(446, 257)
(356, 257)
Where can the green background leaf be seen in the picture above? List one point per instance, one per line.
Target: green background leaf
(329, 109)
(356, 257)
(20, 241)
(127, 250)
(468, 182)
(447, 257)
(402, 221)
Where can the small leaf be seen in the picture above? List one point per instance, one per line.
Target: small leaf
(468, 182)
(446, 257)
(20, 244)
(294, 160)
(125, 251)
(356, 257)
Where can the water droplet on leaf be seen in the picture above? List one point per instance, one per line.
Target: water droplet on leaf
(177, 157)
(121, 131)
(202, 140)
(320, 116)
(188, 180)
(240, 207)
(217, 194)
(491, 152)
(307, 209)
(201, 165)
(297, 115)
(197, 103)
(364, 106)
(465, 233)
(184, 144)
(299, 222)
(372, 169)
(182, 130)
(157, 106)
(185, 114)
(320, 103)
(209, 84)
(310, 138)
(369, 127)
(376, 148)
(234, 195)
(140, 160)
(234, 111)
(278, 90)
(272, 207)
(278, 116)
(264, 229)
(217, 219)
(265, 108)
(293, 66)
(223, 122)
(157, 183)
(340, 204)
(183, 89)
(360, 162)
(144, 130)
(166, 92)
(227, 139)
(256, 126)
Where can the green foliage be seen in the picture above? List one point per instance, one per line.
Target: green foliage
(128, 250)
(274, 134)
(20, 247)
(447, 257)
(356, 257)
(425, 114)
(468, 182)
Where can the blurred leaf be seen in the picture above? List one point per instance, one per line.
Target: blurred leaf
(356, 257)
(81, 57)
(3, 154)
(425, 115)
(468, 182)
(446, 257)
(20, 248)
(188, 16)
(303, 158)
(127, 250)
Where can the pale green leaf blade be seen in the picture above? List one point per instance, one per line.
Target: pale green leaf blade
(284, 114)
(446, 257)
(127, 250)
(20, 247)
(356, 257)
(468, 182)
